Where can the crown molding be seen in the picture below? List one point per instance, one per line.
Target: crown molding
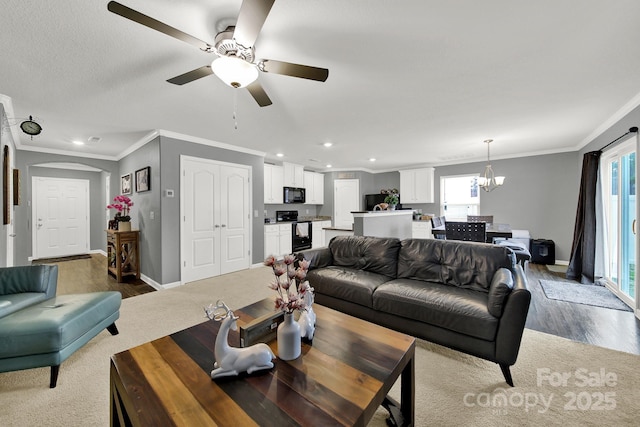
(210, 143)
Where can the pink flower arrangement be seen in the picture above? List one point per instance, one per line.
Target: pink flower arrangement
(290, 283)
(123, 206)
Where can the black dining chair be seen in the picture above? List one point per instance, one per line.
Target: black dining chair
(438, 222)
(467, 231)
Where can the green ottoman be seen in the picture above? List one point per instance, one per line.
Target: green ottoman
(47, 333)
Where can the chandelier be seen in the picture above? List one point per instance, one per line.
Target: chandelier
(488, 181)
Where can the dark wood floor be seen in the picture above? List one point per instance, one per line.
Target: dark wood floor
(616, 329)
(90, 275)
(619, 330)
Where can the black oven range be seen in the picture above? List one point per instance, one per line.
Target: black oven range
(300, 230)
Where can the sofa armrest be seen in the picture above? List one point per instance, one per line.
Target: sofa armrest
(500, 288)
(318, 258)
(514, 317)
(32, 278)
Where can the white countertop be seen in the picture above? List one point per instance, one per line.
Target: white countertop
(362, 214)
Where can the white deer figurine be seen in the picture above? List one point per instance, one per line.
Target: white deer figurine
(231, 360)
(307, 320)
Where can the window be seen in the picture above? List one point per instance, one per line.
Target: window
(460, 197)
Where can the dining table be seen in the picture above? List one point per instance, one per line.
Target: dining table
(493, 231)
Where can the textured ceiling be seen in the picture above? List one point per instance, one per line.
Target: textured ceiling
(411, 83)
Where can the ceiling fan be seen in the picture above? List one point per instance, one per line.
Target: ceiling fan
(236, 64)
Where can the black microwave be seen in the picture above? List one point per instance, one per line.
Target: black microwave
(294, 195)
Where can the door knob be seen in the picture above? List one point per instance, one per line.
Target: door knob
(12, 235)
(224, 225)
(633, 227)
(216, 226)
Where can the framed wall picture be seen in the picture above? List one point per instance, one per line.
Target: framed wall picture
(16, 187)
(143, 179)
(6, 179)
(125, 184)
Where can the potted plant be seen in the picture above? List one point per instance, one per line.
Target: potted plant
(122, 204)
(392, 200)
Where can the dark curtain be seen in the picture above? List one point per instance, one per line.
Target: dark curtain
(583, 249)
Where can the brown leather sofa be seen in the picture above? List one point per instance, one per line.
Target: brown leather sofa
(471, 297)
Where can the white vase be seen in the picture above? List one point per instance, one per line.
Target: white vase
(289, 346)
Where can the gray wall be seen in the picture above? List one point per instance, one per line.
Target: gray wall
(144, 204)
(369, 184)
(170, 151)
(540, 194)
(23, 227)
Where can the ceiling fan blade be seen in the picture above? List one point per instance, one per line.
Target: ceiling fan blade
(192, 75)
(252, 15)
(258, 93)
(294, 70)
(154, 24)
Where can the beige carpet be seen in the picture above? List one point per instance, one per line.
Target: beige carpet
(452, 389)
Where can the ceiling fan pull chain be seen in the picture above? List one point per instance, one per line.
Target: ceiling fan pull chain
(235, 109)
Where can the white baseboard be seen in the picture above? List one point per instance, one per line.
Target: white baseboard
(172, 285)
(157, 286)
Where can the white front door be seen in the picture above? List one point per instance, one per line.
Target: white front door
(216, 214)
(346, 200)
(60, 217)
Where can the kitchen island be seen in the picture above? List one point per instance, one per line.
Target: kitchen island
(383, 223)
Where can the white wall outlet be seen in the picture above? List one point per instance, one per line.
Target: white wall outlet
(168, 193)
(152, 215)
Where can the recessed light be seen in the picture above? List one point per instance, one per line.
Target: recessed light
(328, 144)
(372, 159)
(329, 166)
(280, 155)
(77, 142)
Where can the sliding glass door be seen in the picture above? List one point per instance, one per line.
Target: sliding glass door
(619, 190)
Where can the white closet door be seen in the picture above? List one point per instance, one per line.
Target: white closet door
(346, 200)
(201, 221)
(216, 218)
(235, 217)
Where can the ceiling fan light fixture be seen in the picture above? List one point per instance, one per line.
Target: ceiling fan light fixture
(234, 71)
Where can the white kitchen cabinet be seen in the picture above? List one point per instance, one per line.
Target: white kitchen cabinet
(271, 240)
(416, 186)
(293, 175)
(317, 237)
(318, 234)
(421, 230)
(277, 240)
(286, 239)
(273, 183)
(314, 185)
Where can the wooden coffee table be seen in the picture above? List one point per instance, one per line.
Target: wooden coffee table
(340, 379)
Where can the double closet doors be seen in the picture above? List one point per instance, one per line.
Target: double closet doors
(215, 213)
(619, 172)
